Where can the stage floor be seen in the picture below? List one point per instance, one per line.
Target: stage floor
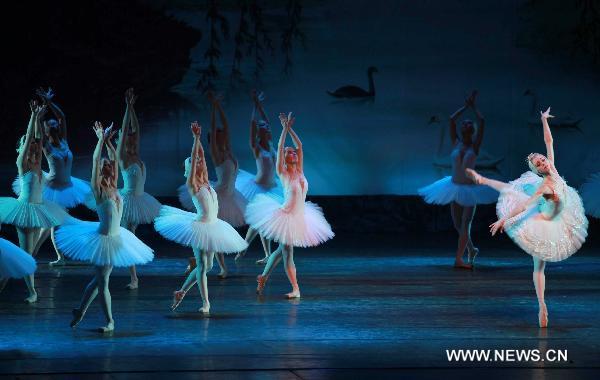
(373, 306)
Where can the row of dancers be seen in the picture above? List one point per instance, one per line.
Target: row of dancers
(281, 216)
(539, 211)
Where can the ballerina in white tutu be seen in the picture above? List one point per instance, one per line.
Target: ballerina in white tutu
(30, 213)
(458, 189)
(202, 231)
(264, 182)
(590, 193)
(540, 213)
(60, 187)
(293, 223)
(14, 262)
(139, 207)
(104, 244)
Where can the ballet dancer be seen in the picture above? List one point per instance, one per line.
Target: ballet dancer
(458, 189)
(202, 231)
(30, 213)
(139, 207)
(264, 181)
(293, 223)
(232, 203)
(60, 187)
(14, 262)
(590, 193)
(540, 213)
(104, 244)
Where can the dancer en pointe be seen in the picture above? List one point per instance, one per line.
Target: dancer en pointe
(458, 190)
(104, 244)
(264, 181)
(203, 230)
(293, 223)
(60, 187)
(540, 213)
(139, 207)
(31, 214)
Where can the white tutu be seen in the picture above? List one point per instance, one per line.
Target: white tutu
(246, 185)
(30, 215)
(590, 192)
(139, 209)
(69, 196)
(445, 191)
(80, 240)
(303, 228)
(14, 262)
(549, 240)
(183, 227)
(232, 206)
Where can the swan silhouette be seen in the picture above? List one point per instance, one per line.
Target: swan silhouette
(567, 122)
(351, 91)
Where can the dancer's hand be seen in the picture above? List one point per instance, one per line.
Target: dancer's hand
(196, 129)
(98, 129)
(45, 95)
(546, 115)
(497, 226)
(130, 97)
(109, 132)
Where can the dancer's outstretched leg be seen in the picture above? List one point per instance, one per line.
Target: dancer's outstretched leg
(60, 258)
(539, 280)
(250, 236)
(103, 276)
(134, 282)
(274, 259)
(204, 260)
(187, 285)
(290, 270)
(221, 261)
(27, 242)
(90, 292)
(481, 180)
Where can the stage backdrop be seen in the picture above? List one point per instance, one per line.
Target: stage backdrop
(429, 56)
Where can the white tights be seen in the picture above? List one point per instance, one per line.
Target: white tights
(98, 285)
(287, 252)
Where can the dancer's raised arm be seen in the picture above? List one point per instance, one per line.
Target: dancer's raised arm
(47, 97)
(281, 145)
(113, 155)
(297, 144)
(96, 159)
(532, 201)
(134, 124)
(198, 172)
(121, 153)
(32, 127)
(468, 103)
(548, 135)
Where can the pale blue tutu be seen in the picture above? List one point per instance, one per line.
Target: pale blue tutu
(444, 191)
(14, 262)
(68, 196)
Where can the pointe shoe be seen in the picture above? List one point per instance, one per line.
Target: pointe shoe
(263, 260)
(77, 317)
(110, 327)
(462, 265)
(132, 285)
(472, 255)
(474, 176)
(31, 299)
(58, 263)
(177, 298)
(205, 309)
(543, 317)
(262, 281)
(239, 256)
(191, 266)
(293, 294)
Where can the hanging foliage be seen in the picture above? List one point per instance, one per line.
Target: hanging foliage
(292, 32)
(587, 30)
(217, 23)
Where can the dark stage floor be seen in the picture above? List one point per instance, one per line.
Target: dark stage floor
(376, 306)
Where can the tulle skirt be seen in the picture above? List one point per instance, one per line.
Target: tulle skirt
(183, 227)
(139, 209)
(31, 215)
(80, 240)
(185, 198)
(245, 184)
(549, 240)
(232, 205)
(590, 192)
(445, 191)
(302, 228)
(68, 197)
(14, 262)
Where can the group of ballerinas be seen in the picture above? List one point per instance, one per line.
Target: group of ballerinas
(275, 211)
(538, 211)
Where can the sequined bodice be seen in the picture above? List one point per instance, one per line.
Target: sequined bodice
(207, 204)
(109, 215)
(226, 174)
(265, 168)
(60, 163)
(294, 193)
(460, 163)
(134, 179)
(31, 187)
